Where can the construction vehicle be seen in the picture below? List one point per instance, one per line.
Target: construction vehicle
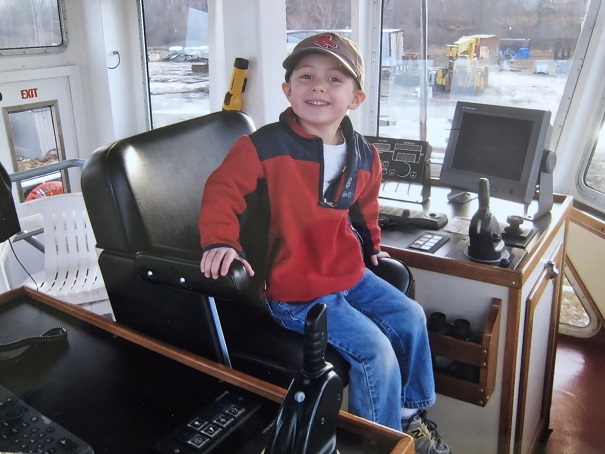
(462, 75)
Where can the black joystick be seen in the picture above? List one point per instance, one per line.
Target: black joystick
(486, 244)
(306, 421)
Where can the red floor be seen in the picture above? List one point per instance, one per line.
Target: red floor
(577, 416)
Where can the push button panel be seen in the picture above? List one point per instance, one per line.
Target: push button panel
(210, 426)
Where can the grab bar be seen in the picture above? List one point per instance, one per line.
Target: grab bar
(44, 170)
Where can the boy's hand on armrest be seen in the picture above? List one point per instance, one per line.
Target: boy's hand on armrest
(217, 261)
(375, 257)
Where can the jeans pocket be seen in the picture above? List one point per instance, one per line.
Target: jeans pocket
(277, 311)
(290, 316)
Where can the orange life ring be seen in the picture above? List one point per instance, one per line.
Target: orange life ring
(45, 189)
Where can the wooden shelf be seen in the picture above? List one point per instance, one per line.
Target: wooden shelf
(483, 356)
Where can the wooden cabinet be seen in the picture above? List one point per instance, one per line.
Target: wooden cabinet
(515, 312)
(480, 359)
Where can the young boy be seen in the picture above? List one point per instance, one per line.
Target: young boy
(323, 178)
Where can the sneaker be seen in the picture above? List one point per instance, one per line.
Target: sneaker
(424, 433)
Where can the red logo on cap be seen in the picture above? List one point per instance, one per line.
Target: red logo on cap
(325, 41)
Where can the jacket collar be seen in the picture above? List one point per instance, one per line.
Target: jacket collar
(345, 191)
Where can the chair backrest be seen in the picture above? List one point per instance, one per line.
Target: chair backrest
(153, 182)
(143, 195)
(70, 257)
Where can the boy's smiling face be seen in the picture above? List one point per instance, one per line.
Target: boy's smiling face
(321, 92)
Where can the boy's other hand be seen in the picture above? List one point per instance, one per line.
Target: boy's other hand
(217, 261)
(374, 258)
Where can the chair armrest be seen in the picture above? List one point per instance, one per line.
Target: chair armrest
(394, 272)
(180, 268)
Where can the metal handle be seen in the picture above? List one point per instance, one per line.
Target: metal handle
(553, 270)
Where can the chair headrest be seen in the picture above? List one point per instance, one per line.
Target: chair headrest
(146, 189)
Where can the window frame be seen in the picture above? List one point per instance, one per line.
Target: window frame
(592, 194)
(594, 324)
(53, 107)
(44, 49)
(577, 112)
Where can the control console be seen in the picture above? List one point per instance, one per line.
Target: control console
(404, 161)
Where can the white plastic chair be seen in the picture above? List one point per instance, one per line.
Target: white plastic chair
(28, 224)
(71, 272)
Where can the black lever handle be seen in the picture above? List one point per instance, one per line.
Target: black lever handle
(315, 341)
(307, 418)
(484, 194)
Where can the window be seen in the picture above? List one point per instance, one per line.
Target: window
(304, 16)
(32, 26)
(515, 52)
(176, 38)
(35, 141)
(594, 177)
(577, 316)
(572, 310)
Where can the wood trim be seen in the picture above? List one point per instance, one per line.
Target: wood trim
(453, 267)
(357, 424)
(404, 446)
(513, 321)
(552, 337)
(346, 421)
(597, 227)
(545, 278)
(588, 222)
(483, 356)
(534, 259)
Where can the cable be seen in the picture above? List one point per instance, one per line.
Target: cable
(58, 334)
(22, 266)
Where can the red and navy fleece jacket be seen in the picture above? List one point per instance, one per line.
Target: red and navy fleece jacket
(317, 242)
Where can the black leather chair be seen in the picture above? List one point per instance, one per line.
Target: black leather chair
(9, 221)
(143, 198)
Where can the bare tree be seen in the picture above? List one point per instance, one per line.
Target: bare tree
(166, 20)
(318, 15)
(541, 21)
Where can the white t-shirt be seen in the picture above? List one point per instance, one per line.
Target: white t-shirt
(334, 162)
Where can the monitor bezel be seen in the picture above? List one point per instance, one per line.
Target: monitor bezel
(520, 191)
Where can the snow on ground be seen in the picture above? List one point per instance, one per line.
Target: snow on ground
(177, 93)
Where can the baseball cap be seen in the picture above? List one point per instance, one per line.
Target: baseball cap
(329, 43)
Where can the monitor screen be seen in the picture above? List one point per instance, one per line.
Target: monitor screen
(503, 144)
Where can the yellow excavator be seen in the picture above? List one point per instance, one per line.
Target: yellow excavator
(462, 75)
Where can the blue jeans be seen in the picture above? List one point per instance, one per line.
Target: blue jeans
(382, 334)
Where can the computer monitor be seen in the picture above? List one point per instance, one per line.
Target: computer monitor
(503, 144)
